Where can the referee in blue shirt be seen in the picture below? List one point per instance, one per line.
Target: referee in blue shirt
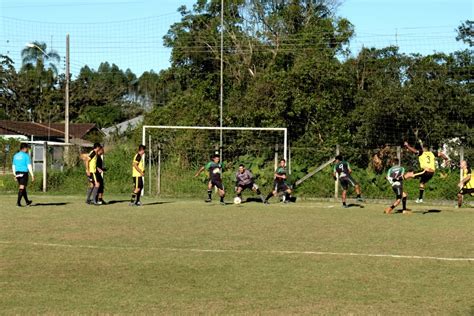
(21, 166)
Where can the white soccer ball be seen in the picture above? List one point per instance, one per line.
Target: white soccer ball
(237, 200)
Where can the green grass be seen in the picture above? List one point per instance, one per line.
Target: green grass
(73, 258)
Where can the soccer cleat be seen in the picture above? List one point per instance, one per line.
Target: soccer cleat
(419, 201)
(222, 203)
(345, 206)
(88, 202)
(266, 202)
(208, 200)
(407, 212)
(388, 210)
(98, 203)
(286, 201)
(359, 199)
(29, 203)
(18, 205)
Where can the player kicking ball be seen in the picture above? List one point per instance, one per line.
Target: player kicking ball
(245, 180)
(342, 170)
(280, 185)
(467, 183)
(395, 176)
(214, 168)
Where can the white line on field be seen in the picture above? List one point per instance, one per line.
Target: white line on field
(280, 252)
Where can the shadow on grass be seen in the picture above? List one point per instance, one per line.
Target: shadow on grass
(355, 205)
(117, 201)
(156, 203)
(51, 204)
(431, 211)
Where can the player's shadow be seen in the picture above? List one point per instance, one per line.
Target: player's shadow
(156, 203)
(431, 212)
(51, 204)
(252, 199)
(117, 201)
(355, 205)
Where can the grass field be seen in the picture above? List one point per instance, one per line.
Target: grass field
(62, 256)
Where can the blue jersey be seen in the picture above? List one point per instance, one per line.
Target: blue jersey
(21, 160)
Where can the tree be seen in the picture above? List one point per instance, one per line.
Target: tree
(466, 32)
(36, 55)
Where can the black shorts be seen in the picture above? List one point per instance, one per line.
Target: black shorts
(398, 189)
(93, 178)
(249, 186)
(138, 182)
(280, 186)
(465, 191)
(346, 182)
(424, 176)
(217, 183)
(22, 178)
(100, 179)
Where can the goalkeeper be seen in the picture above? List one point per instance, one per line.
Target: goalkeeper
(245, 180)
(395, 176)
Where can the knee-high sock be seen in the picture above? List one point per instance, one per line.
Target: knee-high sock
(25, 195)
(209, 194)
(269, 196)
(134, 196)
(404, 203)
(139, 194)
(20, 195)
(89, 193)
(95, 191)
(421, 193)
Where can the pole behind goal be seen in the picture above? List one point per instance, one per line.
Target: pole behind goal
(166, 127)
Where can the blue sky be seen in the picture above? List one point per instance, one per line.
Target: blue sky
(129, 32)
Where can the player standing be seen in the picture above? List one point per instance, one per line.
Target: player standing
(427, 163)
(214, 168)
(21, 166)
(91, 172)
(279, 184)
(245, 180)
(100, 175)
(343, 170)
(467, 183)
(138, 172)
(395, 176)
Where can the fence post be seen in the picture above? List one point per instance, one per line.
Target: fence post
(461, 158)
(336, 184)
(289, 160)
(149, 164)
(45, 165)
(276, 156)
(399, 154)
(158, 172)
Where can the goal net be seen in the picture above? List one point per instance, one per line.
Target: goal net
(175, 153)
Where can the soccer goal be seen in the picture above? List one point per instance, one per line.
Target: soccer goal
(175, 152)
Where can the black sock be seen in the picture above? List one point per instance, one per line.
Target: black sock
(259, 192)
(89, 193)
(269, 196)
(404, 203)
(287, 196)
(25, 195)
(222, 199)
(209, 194)
(20, 194)
(139, 194)
(239, 195)
(133, 197)
(392, 207)
(358, 196)
(343, 203)
(421, 193)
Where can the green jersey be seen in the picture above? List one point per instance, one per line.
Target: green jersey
(215, 170)
(342, 169)
(280, 171)
(395, 175)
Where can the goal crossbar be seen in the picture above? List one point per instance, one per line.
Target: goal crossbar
(281, 129)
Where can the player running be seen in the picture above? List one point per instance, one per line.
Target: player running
(245, 180)
(427, 163)
(92, 175)
(214, 168)
(138, 172)
(279, 184)
(467, 183)
(21, 166)
(395, 176)
(342, 170)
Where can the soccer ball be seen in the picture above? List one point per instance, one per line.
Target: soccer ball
(237, 200)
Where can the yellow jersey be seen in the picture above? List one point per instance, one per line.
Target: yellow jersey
(469, 184)
(138, 159)
(427, 160)
(92, 162)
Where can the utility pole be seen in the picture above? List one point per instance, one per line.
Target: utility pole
(222, 76)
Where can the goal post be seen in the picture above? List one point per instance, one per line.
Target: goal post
(280, 135)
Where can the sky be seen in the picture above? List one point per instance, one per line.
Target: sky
(129, 32)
